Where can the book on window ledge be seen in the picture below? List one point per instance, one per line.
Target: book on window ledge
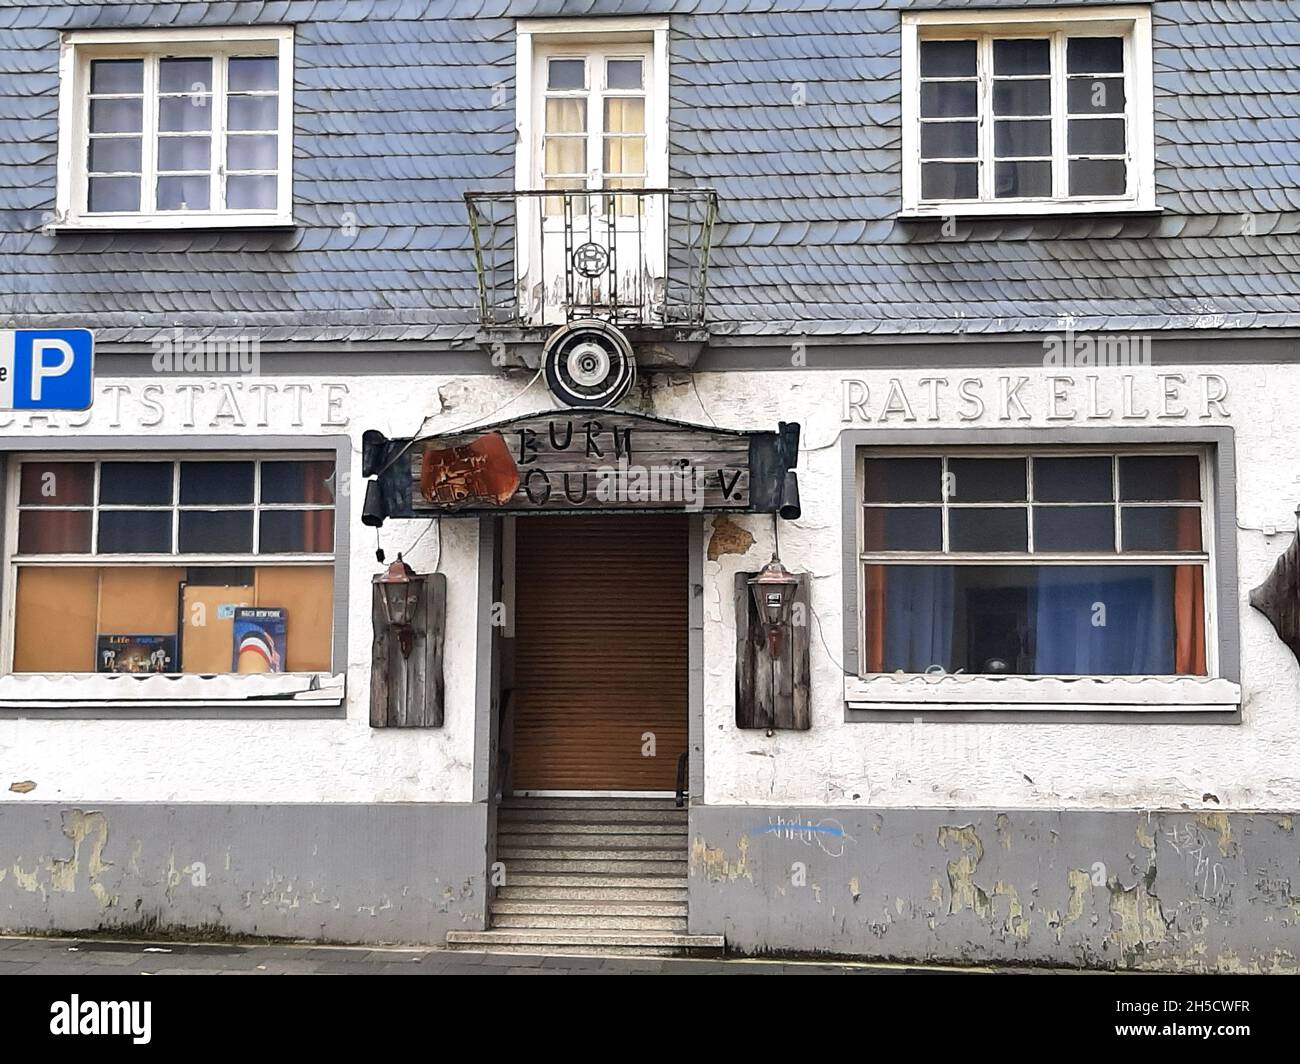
(135, 653)
(260, 639)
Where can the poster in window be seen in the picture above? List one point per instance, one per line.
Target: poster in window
(260, 639)
(135, 653)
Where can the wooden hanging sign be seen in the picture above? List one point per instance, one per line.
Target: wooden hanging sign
(565, 461)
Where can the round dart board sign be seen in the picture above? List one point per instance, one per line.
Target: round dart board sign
(589, 363)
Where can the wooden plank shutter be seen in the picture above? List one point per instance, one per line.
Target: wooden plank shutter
(772, 695)
(601, 649)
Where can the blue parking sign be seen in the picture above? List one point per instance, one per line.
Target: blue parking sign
(46, 369)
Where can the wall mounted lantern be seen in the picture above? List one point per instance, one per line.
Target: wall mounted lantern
(401, 591)
(774, 590)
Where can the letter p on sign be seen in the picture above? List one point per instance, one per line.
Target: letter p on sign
(46, 369)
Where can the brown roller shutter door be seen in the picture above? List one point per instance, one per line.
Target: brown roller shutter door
(600, 652)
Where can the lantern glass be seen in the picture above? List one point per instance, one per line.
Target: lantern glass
(773, 590)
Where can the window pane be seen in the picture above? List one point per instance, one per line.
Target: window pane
(902, 528)
(116, 116)
(184, 114)
(1049, 620)
(57, 484)
(1022, 179)
(184, 153)
(1094, 55)
(306, 594)
(566, 116)
(256, 152)
(298, 482)
(114, 154)
(1017, 139)
(183, 193)
(1115, 620)
(623, 74)
(949, 140)
(949, 181)
(1096, 136)
(185, 75)
(625, 116)
(981, 529)
(54, 532)
(566, 155)
(216, 531)
(1073, 480)
(218, 483)
(624, 155)
(902, 480)
(247, 193)
(1097, 177)
(947, 59)
(1160, 478)
(116, 76)
(252, 112)
(566, 74)
(986, 480)
(1161, 528)
(113, 194)
(1088, 96)
(1022, 97)
(1022, 56)
(249, 73)
(135, 483)
(289, 531)
(135, 531)
(1074, 528)
(948, 99)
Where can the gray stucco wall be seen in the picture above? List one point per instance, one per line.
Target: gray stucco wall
(1176, 891)
(344, 873)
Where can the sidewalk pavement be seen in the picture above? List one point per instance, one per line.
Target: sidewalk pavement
(74, 956)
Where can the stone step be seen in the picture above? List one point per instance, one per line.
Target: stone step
(596, 894)
(551, 939)
(550, 864)
(576, 880)
(529, 950)
(586, 907)
(512, 840)
(507, 854)
(594, 922)
(664, 805)
(601, 826)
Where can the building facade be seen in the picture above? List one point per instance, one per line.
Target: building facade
(980, 317)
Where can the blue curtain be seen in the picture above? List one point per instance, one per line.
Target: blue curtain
(1111, 620)
(918, 617)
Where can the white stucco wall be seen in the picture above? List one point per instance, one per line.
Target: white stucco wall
(1251, 765)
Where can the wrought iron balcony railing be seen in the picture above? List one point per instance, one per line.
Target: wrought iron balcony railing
(632, 257)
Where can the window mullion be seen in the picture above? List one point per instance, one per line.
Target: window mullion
(176, 507)
(1060, 143)
(149, 138)
(984, 70)
(94, 510)
(217, 178)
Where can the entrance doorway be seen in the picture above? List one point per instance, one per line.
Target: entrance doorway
(600, 700)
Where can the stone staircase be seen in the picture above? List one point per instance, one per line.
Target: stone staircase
(590, 875)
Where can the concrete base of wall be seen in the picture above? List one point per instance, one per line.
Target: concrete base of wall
(342, 873)
(1175, 891)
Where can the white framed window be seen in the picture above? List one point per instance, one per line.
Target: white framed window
(202, 564)
(592, 104)
(176, 128)
(1044, 562)
(1027, 111)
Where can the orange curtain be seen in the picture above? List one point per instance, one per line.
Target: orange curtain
(1189, 585)
(318, 525)
(874, 618)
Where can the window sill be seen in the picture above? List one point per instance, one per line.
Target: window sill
(1026, 210)
(306, 694)
(1174, 699)
(172, 222)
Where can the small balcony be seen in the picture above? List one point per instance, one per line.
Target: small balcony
(636, 258)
